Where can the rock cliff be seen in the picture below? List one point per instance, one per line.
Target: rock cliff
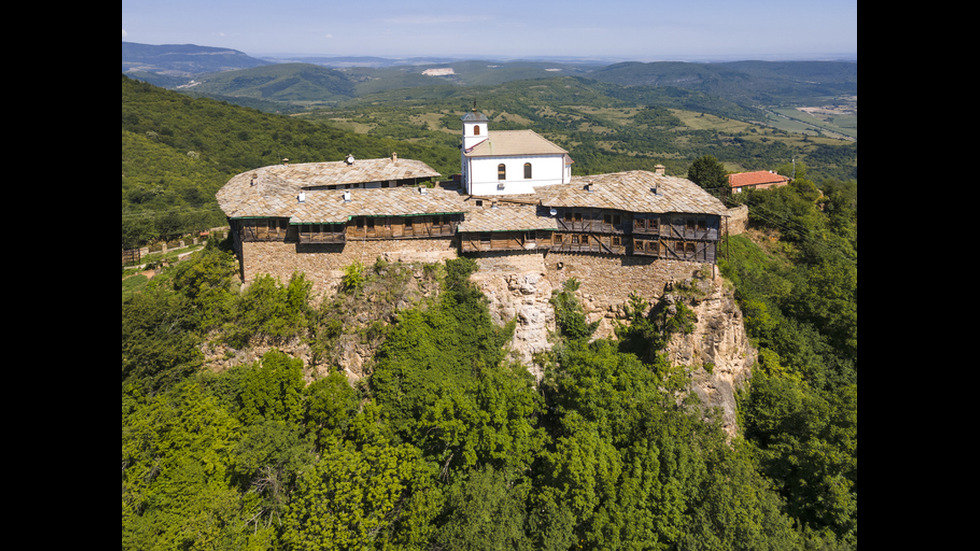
(716, 352)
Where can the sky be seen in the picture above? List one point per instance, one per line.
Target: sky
(640, 30)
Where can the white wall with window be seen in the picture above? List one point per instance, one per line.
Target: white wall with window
(510, 175)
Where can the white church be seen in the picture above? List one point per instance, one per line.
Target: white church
(508, 162)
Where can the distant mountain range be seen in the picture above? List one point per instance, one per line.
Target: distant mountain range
(226, 73)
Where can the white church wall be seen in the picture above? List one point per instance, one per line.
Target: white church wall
(483, 177)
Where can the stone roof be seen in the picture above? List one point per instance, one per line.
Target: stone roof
(635, 191)
(756, 178)
(514, 143)
(507, 218)
(331, 206)
(275, 191)
(272, 190)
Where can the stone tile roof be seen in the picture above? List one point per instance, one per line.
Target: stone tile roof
(514, 142)
(755, 178)
(507, 218)
(635, 191)
(272, 190)
(330, 206)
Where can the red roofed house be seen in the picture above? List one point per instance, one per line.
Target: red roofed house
(760, 179)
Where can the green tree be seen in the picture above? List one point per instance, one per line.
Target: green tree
(484, 511)
(176, 449)
(160, 337)
(379, 496)
(569, 317)
(708, 173)
(270, 389)
(271, 311)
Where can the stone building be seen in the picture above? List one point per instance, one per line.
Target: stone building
(318, 218)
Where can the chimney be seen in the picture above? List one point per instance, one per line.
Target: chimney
(394, 157)
(350, 159)
(285, 161)
(659, 169)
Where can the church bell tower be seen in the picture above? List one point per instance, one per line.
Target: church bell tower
(474, 128)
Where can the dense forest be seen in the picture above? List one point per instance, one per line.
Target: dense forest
(447, 445)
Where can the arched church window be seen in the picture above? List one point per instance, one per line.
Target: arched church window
(476, 130)
(501, 172)
(527, 171)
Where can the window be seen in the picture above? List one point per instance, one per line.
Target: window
(527, 171)
(501, 172)
(408, 224)
(476, 130)
(616, 240)
(578, 216)
(702, 224)
(607, 219)
(617, 220)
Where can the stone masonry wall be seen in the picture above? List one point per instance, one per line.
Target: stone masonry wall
(324, 264)
(738, 219)
(608, 280)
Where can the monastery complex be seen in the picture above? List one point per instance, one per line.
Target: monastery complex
(514, 207)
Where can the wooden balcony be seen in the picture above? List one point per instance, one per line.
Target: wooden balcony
(504, 241)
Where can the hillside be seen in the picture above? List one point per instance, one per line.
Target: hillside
(172, 65)
(746, 82)
(290, 82)
(750, 83)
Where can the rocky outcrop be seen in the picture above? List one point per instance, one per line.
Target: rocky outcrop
(716, 351)
(521, 293)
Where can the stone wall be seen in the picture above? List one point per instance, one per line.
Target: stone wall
(738, 219)
(324, 264)
(608, 280)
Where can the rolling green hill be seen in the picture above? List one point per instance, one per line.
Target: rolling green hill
(749, 83)
(291, 82)
(759, 82)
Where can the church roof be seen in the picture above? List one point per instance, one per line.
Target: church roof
(513, 143)
(474, 116)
